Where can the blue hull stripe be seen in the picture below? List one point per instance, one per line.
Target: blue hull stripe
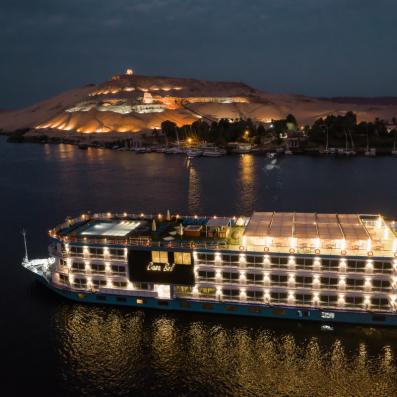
(232, 308)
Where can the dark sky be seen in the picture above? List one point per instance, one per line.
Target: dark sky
(313, 47)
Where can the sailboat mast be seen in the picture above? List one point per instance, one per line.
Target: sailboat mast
(327, 140)
(351, 139)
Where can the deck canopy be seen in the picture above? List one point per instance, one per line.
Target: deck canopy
(302, 225)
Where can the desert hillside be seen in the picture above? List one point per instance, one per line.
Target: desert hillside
(130, 103)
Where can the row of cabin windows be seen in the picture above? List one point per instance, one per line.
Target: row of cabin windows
(282, 297)
(302, 263)
(230, 276)
(82, 283)
(325, 300)
(300, 281)
(97, 268)
(97, 251)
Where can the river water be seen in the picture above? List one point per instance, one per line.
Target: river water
(55, 347)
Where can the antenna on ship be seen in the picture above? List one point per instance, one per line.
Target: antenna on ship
(26, 259)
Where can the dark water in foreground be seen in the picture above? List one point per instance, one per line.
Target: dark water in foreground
(53, 347)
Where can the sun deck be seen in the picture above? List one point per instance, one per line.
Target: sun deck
(282, 232)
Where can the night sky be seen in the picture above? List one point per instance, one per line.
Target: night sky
(312, 47)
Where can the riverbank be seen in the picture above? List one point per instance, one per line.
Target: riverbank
(141, 143)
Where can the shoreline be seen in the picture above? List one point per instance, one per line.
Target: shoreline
(139, 140)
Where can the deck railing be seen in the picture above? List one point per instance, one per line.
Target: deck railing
(327, 250)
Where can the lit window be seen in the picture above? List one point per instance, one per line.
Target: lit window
(159, 256)
(140, 301)
(182, 258)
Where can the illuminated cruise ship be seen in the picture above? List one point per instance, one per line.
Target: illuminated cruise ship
(297, 266)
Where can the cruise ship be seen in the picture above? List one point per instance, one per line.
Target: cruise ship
(333, 268)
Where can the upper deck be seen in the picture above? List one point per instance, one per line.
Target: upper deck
(277, 232)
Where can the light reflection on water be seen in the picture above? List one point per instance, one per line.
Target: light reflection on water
(93, 350)
(121, 352)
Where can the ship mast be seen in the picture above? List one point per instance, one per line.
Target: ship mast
(26, 259)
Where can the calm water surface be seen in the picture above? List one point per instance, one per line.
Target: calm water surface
(51, 346)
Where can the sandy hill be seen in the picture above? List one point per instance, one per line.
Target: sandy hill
(133, 103)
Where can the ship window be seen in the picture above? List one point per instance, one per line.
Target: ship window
(98, 283)
(303, 281)
(207, 275)
(355, 266)
(201, 257)
(183, 290)
(382, 267)
(309, 262)
(80, 282)
(210, 257)
(254, 278)
(100, 297)
(303, 298)
(329, 264)
(144, 286)
(162, 303)
(378, 285)
(116, 252)
(278, 279)
(78, 266)
(207, 291)
(228, 292)
(97, 268)
(94, 251)
(119, 284)
(302, 263)
(380, 303)
(353, 283)
(329, 282)
(279, 262)
(354, 301)
(140, 301)
(185, 305)
(117, 269)
(278, 296)
(183, 258)
(159, 256)
(256, 261)
(329, 300)
(63, 278)
(121, 299)
(255, 295)
(207, 306)
(231, 308)
(76, 250)
(230, 277)
(230, 258)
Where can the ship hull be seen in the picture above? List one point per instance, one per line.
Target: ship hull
(230, 308)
